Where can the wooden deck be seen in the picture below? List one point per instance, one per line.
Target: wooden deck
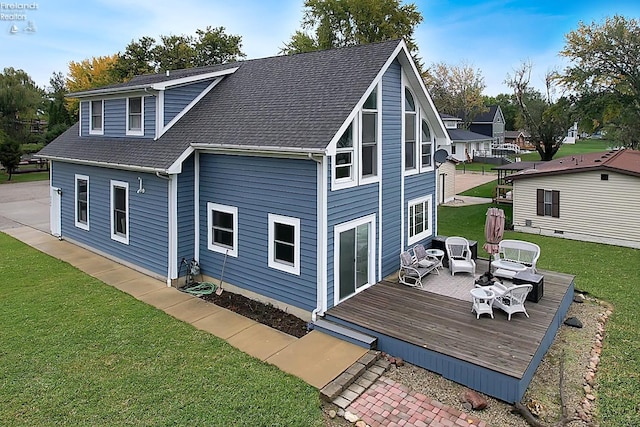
(440, 333)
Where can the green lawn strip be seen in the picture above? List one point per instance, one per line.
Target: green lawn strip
(485, 190)
(74, 351)
(23, 177)
(610, 273)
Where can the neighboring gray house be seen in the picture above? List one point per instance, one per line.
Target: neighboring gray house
(305, 175)
(490, 123)
(464, 143)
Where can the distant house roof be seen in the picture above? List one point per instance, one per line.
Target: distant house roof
(294, 103)
(462, 135)
(623, 161)
(487, 116)
(449, 117)
(518, 166)
(516, 133)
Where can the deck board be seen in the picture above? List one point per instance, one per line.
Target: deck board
(446, 325)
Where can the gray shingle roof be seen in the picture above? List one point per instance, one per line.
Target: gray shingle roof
(295, 102)
(487, 116)
(462, 135)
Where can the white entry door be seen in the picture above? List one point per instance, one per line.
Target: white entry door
(54, 212)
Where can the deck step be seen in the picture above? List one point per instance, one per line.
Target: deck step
(351, 383)
(344, 333)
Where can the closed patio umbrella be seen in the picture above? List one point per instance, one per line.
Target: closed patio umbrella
(493, 232)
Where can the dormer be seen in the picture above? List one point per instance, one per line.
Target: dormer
(147, 106)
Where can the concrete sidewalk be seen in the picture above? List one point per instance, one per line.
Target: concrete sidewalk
(316, 358)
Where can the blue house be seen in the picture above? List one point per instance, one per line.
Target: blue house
(305, 176)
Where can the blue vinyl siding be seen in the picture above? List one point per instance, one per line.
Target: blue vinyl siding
(186, 215)
(392, 168)
(150, 116)
(176, 99)
(115, 117)
(148, 220)
(84, 115)
(258, 186)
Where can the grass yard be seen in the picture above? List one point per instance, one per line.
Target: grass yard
(77, 352)
(610, 273)
(23, 177)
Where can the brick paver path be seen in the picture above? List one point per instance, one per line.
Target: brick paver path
(388, 403)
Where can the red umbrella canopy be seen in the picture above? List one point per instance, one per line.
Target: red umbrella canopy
(493, 230)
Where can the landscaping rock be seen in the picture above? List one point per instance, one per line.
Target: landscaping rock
(579, 298)
(573, 322)
(474, 398)
(332, 414)
(352, 418)
(361, 424)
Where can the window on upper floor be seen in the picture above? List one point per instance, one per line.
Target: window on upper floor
(358, 149)
(120, 211)
(409, 131)
(548, 203)
(135, 116)
(370, 136)
(96, 116)
(284, 243)
(82, 202)
(223, 229)
(426, 145)
(419, 219)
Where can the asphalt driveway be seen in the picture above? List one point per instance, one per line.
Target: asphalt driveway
(25, 203)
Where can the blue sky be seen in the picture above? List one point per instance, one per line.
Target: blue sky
(493, 36)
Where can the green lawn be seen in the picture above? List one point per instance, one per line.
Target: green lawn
(77, 352)
(610, 273)
(23, 177)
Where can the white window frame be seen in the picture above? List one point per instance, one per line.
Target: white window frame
(92, 130)
(356, 177)
(428, 229)
(273, 262)
(78, 223)
(416, 113)
(430, 167)
(122, 238)
(135, 132)
(352, 179)
(233, 210)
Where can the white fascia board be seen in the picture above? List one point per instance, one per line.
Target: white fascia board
(105, 164)
(257, 150)
(140, 90)
(192, 79)
(186, 109)
(176, 166)
(416, 82)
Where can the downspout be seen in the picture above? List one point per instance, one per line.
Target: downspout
(321, 264)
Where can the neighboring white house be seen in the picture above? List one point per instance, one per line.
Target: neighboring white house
(464, 143)
(592, 197)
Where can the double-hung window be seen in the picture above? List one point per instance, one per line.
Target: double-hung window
(96, 117)
(426, 145)
(223, 229)
(410, 124)
(548, 203)
(369, 152)
(419, 219)
(284, 243)
(120, 211)
(135, 116)
(82, 202)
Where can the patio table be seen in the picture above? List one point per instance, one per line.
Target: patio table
(482, 301)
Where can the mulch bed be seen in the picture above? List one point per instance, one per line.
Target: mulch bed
(266, 314)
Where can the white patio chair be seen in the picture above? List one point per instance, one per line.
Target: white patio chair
(459, 255)
(511, 299)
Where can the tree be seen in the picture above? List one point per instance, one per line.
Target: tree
(456, 90)
(211, 46)
(10, 153)
(606, 67)
(546, 120)
(338, 23)
(20, 101)
(89, 74)
(57, 109)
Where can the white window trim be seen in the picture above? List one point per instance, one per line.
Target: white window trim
(433, 144)
(93, 131)
(374, 178)
(117, 237)
(77, 222)
(415, 169)
(233, 210)
(140, 132)
(273, 263)
(357, 178)
(411, 240)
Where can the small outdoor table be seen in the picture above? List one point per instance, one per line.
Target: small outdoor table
(436, 254)
(482, 301)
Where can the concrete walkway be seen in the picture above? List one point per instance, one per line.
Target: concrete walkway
(466, 181)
